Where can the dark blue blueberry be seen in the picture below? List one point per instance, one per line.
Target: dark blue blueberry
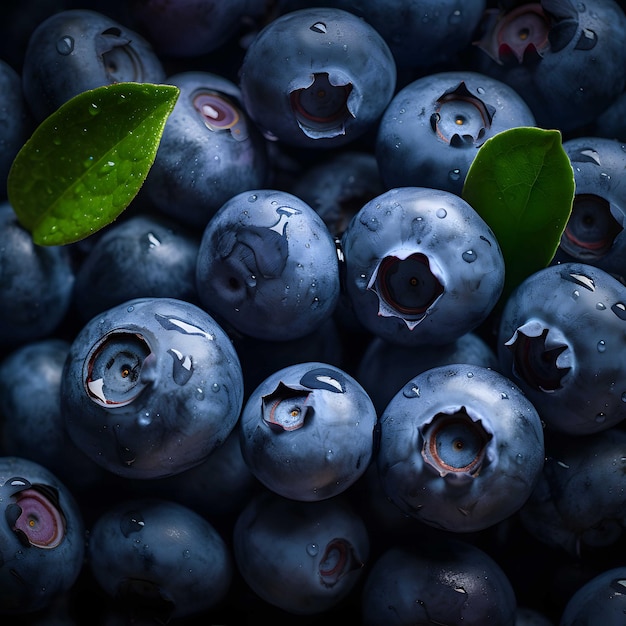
(303, 557)
(35, 283)
(16, 122)
(307, 431)
(142, 256)
(268, 265)
(31, 421)
(437, 581)
(158, 558)
(433, 128)
(209, 151)
(579, 503)
(561, 339)
(461, 448)
(317, 77)
(385, 367)
(421, 266)
(594, 233)
(42, 537)
(76, 50)
(563, 57)
(601, 600)
(151, 387)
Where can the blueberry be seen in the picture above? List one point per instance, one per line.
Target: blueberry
(461, 448)
(385, 367)
(560, 338)
(579, 504)
(155, 256)
(594, 233)
(601, 600)
(159, 558)
(307, 431)
(432, 129)
(421, 266)
(268, 266)
(440, 581)
(151, 387)
(76, 50)
(16, 122)
(563, 58)
(36, 283)
(42, 537)
(209, 151)
(317, 77)
(32, 424)
(303, 557)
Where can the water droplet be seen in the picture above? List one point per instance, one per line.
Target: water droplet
(145, 419)
(470, 374)
(504, 396)
(519, 458)
(624, 397)
(130, 308)
(318, 27)
(441, 213)
(620, 310)
(253, 198)
(575, 294)
(454, 174)
(215, 387)
(480, 90)
(411, 391)
(199, 393)
(131, 522)
(65, 45)
(312, 549)
(469, 256)
(93, 109)
(455, 17)
(601, 345)
(107, 168)
(600, 306)
(186, 554)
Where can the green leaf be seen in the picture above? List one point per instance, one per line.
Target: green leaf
(522, 184)
(85, 163)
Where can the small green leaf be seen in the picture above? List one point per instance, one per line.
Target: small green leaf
(522, 184)
(85, 163)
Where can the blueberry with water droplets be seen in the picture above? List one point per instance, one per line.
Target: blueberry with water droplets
(317, 77)
(579, 503)
(561, 339)
(307, 431)
(564, 58)
(159, 559)
(439, 580)
(209, 150)
(42, 537)
(151, 387)
(302, 557)
(155, 255)
(267, 266)
(594, 233)
(433, 128)
(76, 50)
(421, 266)
(461, 448)
(601, 600)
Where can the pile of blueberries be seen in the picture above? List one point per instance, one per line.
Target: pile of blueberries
(284, 384)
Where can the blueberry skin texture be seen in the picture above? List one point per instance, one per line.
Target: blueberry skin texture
(421, 266)
(444, 581)
(317, 77)
(560, 338)
(210, 150)
(421, 34)
(151, 387)
(76, 50)
(385, 367)
(42, 539)
(36, 283)
(142, 256)
(31, 423)
(594, 233)
(268, 266)
(569, 70)
(307, 431)
(579, 502)
(461, 448)
(158, 554)
(433, 128)
(601, 600)
(302, 557)
(16, 122)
